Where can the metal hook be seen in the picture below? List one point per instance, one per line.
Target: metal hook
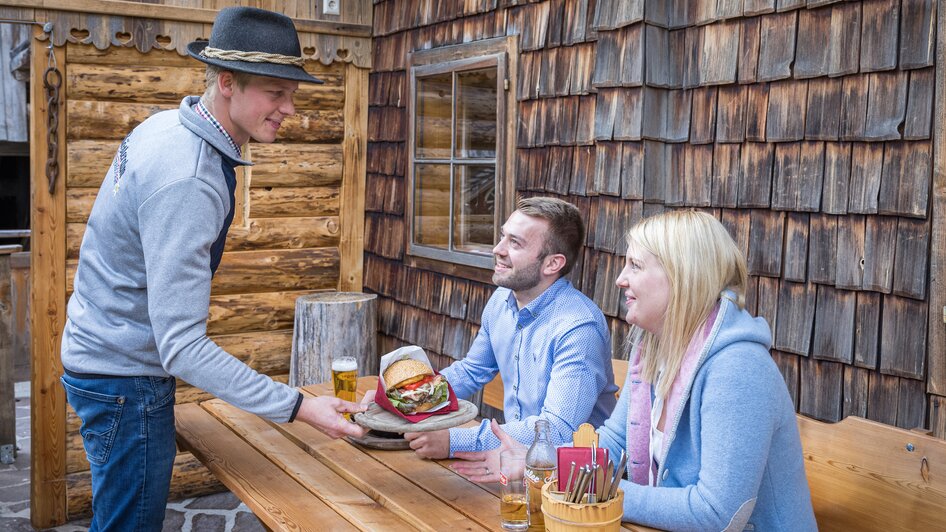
(48, 29)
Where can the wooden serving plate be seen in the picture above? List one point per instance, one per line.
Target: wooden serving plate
(377, 418)
(385, 441)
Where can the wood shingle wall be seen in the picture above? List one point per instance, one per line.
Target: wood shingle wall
(806, 127)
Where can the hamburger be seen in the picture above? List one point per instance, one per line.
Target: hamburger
(412, 387)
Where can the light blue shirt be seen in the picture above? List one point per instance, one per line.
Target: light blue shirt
(554, 356)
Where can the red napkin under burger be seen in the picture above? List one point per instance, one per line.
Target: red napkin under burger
(413, 388)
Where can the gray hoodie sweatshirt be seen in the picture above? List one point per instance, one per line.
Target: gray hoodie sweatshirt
(141, 295)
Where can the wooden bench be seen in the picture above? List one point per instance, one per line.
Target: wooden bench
(863, 475)
(493, 391)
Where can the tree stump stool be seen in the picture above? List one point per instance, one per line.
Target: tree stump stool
(329, 324)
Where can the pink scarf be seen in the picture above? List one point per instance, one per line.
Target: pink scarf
(639, 407)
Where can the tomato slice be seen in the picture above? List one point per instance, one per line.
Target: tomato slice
(418, 384)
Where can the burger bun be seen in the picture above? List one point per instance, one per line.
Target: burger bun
(404, 372)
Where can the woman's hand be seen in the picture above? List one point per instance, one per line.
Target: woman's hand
(483, 466)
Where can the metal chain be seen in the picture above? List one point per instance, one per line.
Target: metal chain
(52, 81)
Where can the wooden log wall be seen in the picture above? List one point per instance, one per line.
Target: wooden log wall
(299, 221)
(806, 127)
(285, 244)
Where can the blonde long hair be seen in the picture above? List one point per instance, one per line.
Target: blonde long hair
(701, 260)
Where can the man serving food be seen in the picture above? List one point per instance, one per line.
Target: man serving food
(549, 341)
(137, 318)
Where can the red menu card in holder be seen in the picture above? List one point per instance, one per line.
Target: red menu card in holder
(581, 456)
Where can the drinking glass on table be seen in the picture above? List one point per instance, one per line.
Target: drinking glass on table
(345, 376)
(512, 502)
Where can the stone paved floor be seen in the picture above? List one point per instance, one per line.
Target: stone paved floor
(222, 512)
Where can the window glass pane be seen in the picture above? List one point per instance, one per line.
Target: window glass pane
(432, 126)
(474, 205)
(432, 204)
(476, 113)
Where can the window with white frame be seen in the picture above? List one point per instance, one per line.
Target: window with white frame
(461, 178)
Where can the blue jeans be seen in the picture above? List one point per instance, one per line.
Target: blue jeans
(128, 434)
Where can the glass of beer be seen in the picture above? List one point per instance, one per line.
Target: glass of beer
(345, 376)
(512, 500)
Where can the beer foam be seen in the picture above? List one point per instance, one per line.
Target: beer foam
(344, 364)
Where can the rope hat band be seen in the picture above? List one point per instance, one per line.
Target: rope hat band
(252, 57)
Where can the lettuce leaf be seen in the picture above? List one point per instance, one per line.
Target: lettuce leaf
(440, 393)
(435, 392)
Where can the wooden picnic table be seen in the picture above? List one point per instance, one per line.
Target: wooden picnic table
(294, 477)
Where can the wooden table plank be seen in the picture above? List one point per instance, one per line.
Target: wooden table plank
(336, 492)
(370, 383)
(371, 477)
(405, 466)
(253, 478)
(477, 502)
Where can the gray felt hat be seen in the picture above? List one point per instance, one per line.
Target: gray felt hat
(254, 41)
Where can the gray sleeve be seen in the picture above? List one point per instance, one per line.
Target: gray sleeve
(178, 225)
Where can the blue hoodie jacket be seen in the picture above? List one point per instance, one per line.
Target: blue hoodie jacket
(734, 459)
(155, 236)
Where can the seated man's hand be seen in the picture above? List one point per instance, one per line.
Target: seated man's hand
(325, 413)
(483, 466)
(369, 397)
(434, 445)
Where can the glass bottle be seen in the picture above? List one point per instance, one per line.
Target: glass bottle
(540, 468)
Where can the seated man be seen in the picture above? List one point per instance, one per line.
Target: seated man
(549, 342)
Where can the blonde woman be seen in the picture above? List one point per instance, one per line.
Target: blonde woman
(705, 417)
